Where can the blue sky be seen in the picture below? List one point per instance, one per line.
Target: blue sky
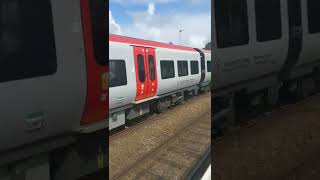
(160, 20)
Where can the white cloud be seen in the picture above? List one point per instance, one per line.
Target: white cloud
(165, 28)
(198, 41)
(196, 1)
(114, 27)
(151, 8)
(125, 2)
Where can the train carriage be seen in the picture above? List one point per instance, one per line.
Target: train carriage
(53, 84)
(263, 48)
(147, 75)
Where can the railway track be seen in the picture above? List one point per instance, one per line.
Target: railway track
(272, 145)
(250, 118)
(174, 157)
(144, 120)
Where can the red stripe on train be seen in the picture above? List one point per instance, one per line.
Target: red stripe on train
(141, 42)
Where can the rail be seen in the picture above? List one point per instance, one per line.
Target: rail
(202, 167)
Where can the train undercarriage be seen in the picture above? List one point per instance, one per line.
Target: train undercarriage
(237, 107)
(120, 119)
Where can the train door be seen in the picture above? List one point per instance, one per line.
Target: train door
(311, 37)
(202, 64)
(146, 78)
(42, 71)
(152, 75)
(232, 47)
(295, 36)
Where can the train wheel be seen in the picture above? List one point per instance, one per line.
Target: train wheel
(162, 105)
(305, 88)
(196, 92)
(316, 78)
(272, 95)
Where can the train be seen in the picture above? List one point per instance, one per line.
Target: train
(54, 92)
(147, 76)
(262, 51)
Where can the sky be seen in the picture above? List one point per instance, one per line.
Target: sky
(161, 20)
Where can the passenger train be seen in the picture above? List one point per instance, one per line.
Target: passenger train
(147, 76)
(262, 48)
(53, 84)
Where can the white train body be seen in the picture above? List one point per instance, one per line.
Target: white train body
(52, 81)
(167, 86)
(262, 48)
(265, 43)
(171, 73)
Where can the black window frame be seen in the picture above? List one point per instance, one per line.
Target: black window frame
(152, 68)
(238, 35)
(268, 20)
(141, 72)
(27, 40)
(313, 16)
(209, 64)
(192, 67)
(171, 62)
(122, 70)
(181, 68)
(99, 30)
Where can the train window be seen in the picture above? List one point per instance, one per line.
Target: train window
(167, 69)
(313, 16)
(117, 73)
(151, 68)
(141, 69)
(194, 67)
(27, 45)
(231, 18)
(99, 29)
(209, 66)
(268, 20)
(183, 68)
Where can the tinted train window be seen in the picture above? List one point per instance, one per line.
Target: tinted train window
(99, 29)
(231, 20)
(209, 66)
(167, 69)
(118, 74)
(268, 20)
(27, 45)
(151, 68)
(141, 70)
(183, 68)
(313, 16)
(194, 67)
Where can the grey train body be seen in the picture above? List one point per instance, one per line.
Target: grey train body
(263, 46)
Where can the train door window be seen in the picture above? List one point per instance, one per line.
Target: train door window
(151, 68)
(27, 45)
(117, 73)
(141, 69)
(313, 16)
(231, 18)
(194, 67)
(209, 66)
(268, 20)
(167, 69)
(183, 68)
(99, 29)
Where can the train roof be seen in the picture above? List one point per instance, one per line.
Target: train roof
(205, 50)
(142, 42)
